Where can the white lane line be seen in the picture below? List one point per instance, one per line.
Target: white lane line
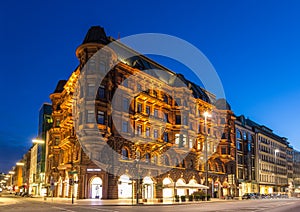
(99, 209)
(63, 209)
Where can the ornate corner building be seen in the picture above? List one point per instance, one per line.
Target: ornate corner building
(154, 122)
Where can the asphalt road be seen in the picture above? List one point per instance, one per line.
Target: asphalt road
(19, 204)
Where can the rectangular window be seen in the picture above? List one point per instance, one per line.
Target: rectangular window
(100, 117)
(177, 137)
(178, 119)
(101, 92)
(139, 129)
(125, 82)
(124, 126)
(102, 67)
(125, 105)
(147, 131)
(155, 113)
(223, 150)
(191, 143)
(155, 133)
(166, 137)
(91, 90)
(139, 108)
(185, 120)
(166, 117)
(57, 122)
(90, 116)
(148, 110)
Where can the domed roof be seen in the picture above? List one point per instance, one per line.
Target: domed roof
(222, 104)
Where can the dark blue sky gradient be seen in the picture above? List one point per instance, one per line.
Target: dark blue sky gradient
(253, 45)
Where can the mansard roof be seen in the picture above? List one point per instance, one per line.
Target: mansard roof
(96, 34)
(60, 86)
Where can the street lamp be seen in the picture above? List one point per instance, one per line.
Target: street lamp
(20, 164)
(276, 178)
(206, 115)
(38, 141)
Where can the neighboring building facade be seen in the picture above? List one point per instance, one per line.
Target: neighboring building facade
(37, 184)
(289, 159)
(296, 172)
(272, 169)
(245, 157)
(174, 123)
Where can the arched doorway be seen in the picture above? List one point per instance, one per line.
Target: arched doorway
(96, 188)
(168, 188)
(147, 188)
(181, 191)
(192, 183)
(125, 187)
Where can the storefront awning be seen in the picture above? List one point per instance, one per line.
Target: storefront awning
(185, 186)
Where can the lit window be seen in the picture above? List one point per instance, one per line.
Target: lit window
(191, 143)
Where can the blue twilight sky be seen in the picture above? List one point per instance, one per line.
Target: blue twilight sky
(253, 45)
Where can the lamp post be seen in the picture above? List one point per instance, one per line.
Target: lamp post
(206, 115)
(276, 178)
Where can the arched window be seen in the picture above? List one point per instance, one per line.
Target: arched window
(124, 153)
(191, 164)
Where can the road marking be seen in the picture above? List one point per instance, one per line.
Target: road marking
(99, 209)
(63, 209)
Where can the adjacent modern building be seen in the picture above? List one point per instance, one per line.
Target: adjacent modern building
(245, 156)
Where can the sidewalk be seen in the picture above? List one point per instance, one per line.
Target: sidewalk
(120, 202)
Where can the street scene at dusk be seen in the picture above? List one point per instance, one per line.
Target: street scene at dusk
(153, 106)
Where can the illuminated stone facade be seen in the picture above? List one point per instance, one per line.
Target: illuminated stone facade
(161, 116)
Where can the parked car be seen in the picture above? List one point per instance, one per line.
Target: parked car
(251, 196)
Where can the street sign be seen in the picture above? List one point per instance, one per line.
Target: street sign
(73, 172)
